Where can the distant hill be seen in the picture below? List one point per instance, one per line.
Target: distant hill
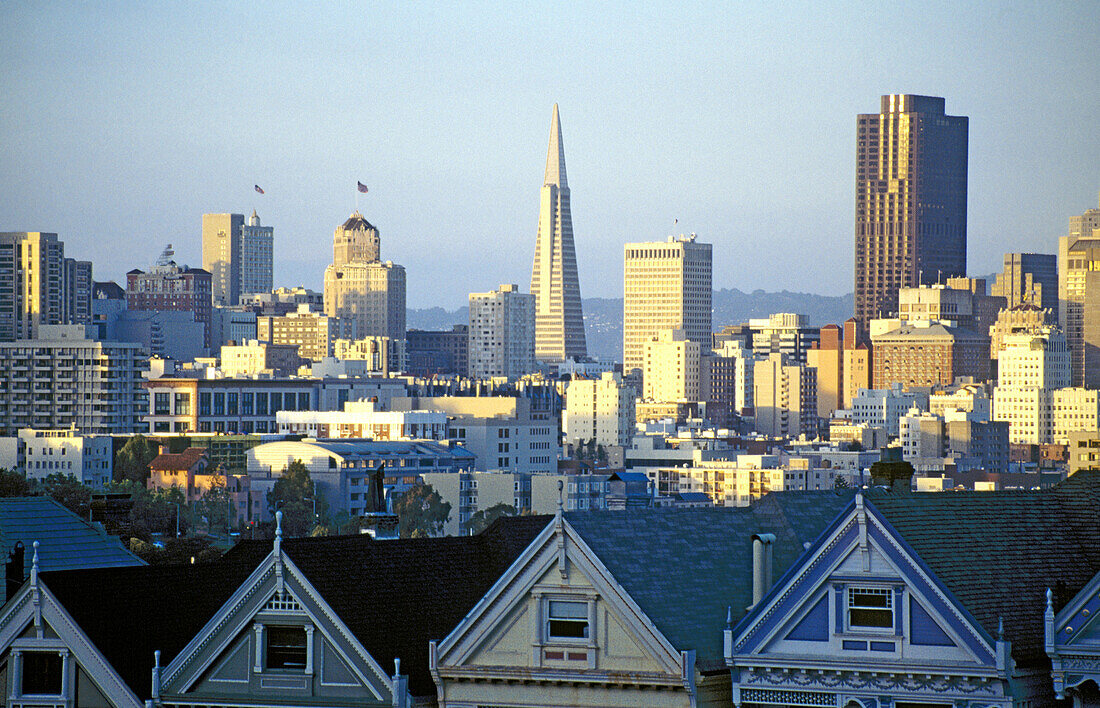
(603, 317)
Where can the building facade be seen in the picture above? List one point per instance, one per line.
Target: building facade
(667, 285)
(314, 333)
(1028, 279)
(171, 287)
(559, 321)
(785, 398)
(502, 333)
(257, 258)
(600, 409)
(671, 367)
(221, 256)
(438, 353)
(364, 291)
(911, 188)
(32, 266)
(1079, 295)
(928, 354)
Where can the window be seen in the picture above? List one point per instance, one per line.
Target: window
(567, 620)
(41, 673)
(286, 648)
(183, 404)
(870, 607)
(160, 403)
(204, 403)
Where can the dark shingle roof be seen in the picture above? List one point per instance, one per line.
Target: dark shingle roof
(177, 461)
(684, 567)
(998, 552)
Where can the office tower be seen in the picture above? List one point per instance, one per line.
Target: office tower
(170, 287)
(314, 333)
(600, 409)
(502, 333)
(77, 289)
(911, 166)
(671, 369)
(1028, 279)
(368, 293)
(783, 333)
(32, 288)
(559, 322)
(1031, 369)
(221, 255)
(725, 380)
(1079, 295)
(785, 397)
(257, 249)
(666, 285)
(433, 352)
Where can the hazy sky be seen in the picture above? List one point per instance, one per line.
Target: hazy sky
(122, 123)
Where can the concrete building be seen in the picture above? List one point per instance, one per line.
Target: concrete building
(167, 334)
(1079, 295)
(783, 333)
(1084, 451)
(171, 287)
(32, 283)
(785, 398)
(503, 432)
(438, 353)
(256, 358)
(77, 286)
(1020, 319)
(921, 436)
(282, 301)
(41, 453)
(1028, 279)
(923, 353)
(314, 333)
(883, 407)
(257, 258)
(471, 492)
(237, 255)
(1031, 368)
(501, 333)
(742, 479)
(725, 378)
(971, 399)
(600, 409)
(359, 288)
(559, 321)
(978, 444)
(911, 186)
(65, 380)
(232, 325)
(381, 355)
(364, 419)
(667, 285)
(671, 367)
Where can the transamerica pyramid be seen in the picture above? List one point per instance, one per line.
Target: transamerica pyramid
(559, 322)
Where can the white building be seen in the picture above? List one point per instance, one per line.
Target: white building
(883, 407)
(88, 458)
(739, 480)
(1031, 368)
(671, 367)
(501, 333)
(362, 419)
(600, 408)
(971, 399)
(921, 436)
(784, 397)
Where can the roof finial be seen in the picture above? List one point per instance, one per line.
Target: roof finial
(561, 496)
(278, 533)
(34, 565)
(729, 617)
(1000, 628)
(397, 666)
(1050, 600)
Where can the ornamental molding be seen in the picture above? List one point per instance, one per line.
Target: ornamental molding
(1080, 662)
(869, 680)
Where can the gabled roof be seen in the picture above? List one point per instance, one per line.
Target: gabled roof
(685, 567)
(998, 552)
(178, 461)
(65, 541)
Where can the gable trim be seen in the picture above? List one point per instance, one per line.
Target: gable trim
(1076, 617)
(21, 613)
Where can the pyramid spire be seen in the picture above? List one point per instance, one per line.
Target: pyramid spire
(555, 155)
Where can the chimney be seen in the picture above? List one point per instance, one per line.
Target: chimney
(13, 571)
(761, 566)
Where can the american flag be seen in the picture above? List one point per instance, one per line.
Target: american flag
(362, 187)
(258, 188)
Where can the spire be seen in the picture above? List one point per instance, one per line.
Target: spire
(555, 155)
(254, 220)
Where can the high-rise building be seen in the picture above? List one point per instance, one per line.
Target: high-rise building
(784, 397)
(257, 257)
(1028, 279)
(1079, 295)
(368, 293)
(600, 409)
(31, 283)
(1032, 368)
(169, 287)
(911, 169)
(783, 333)
(671, 369)
(559, 322)
(77, 289)
(501, 333)
(666, 285)
(434, 352)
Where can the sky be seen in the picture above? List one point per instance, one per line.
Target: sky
(122, 123)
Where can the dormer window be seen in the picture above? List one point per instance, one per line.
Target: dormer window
(870, 608)
(567, 620)
(286, 647)
(42, 672)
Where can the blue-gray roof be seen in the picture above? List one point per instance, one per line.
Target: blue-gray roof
(65, 541)
(361, 447)
(684, 567)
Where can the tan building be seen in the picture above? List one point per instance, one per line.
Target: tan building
(1020, 319)
(671, 369)
(667, 285)
(314, 333)
(785, 398)
(256, 358)
(382, 354)
(366, 293)
(928, 354)
(1084, 450)
(559, 321)
(501, 333)
(31, 283)
(1028, 279)
(600, 409)
(1079, 295)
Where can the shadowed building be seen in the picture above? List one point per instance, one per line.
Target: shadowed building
(559, 322)
(911, 167)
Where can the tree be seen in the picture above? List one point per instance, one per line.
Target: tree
(214, 507)
(295, 495)
(483, 518)
(421, 512)
(159, 511)
(132, 460)
(13, 484)
(67, 491)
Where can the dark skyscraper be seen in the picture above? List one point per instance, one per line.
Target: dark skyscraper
(911, 162)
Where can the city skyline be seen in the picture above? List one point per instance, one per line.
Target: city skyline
(745, 141)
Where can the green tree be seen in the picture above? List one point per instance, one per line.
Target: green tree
(13, 484)
(157, 511)
(214, 508)
(67, 491)
(295, 495)
(483, 518)
(421, 512)
(132, 460)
